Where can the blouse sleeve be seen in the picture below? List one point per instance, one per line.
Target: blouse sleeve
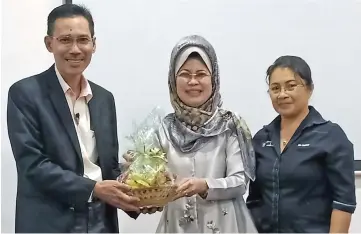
(340, 171)
(235, 182)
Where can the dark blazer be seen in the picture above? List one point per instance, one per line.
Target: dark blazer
(51, 187)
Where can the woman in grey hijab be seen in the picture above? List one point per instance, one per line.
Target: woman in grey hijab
(208, 148)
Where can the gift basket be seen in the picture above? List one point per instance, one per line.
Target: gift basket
(148, 174)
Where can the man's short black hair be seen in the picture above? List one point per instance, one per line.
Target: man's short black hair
(67, 11)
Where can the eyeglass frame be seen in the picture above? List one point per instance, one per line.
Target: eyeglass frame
(193, 75)
(286, 90)
(74, 39)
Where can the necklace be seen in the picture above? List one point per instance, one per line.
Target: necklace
(284, 142)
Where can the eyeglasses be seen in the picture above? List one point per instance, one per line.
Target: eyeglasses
(68, 41)
(288, 87)
(187, 76)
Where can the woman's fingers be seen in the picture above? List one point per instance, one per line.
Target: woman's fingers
(183, 185)
(129, 156)
(150, 210)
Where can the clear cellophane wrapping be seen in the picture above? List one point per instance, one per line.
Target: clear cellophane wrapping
(148, 174)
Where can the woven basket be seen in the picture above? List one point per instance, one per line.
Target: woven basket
(154, 196)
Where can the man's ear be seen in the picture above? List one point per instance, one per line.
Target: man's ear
(94, 44)
(48, 43)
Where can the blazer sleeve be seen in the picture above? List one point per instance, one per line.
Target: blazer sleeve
(27, 145)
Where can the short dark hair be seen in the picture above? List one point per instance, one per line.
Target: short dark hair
(296, 64)
(66, 11)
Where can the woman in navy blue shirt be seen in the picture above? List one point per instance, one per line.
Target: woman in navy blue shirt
(305, 164)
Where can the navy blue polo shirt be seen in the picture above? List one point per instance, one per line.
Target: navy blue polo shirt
(296, 190)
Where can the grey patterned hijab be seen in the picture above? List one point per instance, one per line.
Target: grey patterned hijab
(191, 128)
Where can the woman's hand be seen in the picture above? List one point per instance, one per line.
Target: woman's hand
(150, 209)
(191, 186)
(129, 158)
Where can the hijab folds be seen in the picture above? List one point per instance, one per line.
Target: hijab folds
(190, 128)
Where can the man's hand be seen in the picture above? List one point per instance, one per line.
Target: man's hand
(116, 194)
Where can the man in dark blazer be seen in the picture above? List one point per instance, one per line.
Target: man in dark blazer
(63, 133)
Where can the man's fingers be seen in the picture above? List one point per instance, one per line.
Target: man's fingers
(128, 207)
(128, 199)
(128, 203)
(131, 199)
(123, 187)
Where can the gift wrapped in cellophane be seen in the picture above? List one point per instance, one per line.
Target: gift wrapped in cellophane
(148, 174)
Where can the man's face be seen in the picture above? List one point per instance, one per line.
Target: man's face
(72, 45)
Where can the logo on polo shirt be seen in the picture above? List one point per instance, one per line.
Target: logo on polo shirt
(267, 143)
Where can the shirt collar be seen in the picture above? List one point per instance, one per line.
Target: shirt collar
(85, 87)
(313, 118)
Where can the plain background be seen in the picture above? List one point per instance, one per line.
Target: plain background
(134, 41)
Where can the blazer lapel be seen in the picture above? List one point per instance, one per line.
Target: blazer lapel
(60, 104)
(95, 121)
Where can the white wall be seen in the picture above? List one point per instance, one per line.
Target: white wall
(134, 43)
(135, 38)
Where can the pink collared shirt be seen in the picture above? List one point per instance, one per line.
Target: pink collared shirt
(81, 117)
